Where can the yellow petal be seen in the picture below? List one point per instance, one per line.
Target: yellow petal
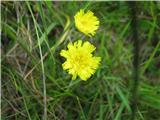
(89, 47)
(64, 53)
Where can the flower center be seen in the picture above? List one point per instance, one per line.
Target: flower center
(84, 22)
(80, 61)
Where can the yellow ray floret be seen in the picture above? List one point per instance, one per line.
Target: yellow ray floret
(79, 60)
(87, 23)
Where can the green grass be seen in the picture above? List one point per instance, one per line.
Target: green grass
(34, 85)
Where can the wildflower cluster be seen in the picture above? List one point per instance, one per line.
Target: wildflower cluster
(79, 58)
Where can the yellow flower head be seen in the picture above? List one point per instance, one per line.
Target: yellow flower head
(87, 23)
(79, 60)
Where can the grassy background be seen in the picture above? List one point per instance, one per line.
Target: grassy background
(33, 33)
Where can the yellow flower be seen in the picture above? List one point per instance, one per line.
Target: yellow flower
(79, 60)
(87, 23)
